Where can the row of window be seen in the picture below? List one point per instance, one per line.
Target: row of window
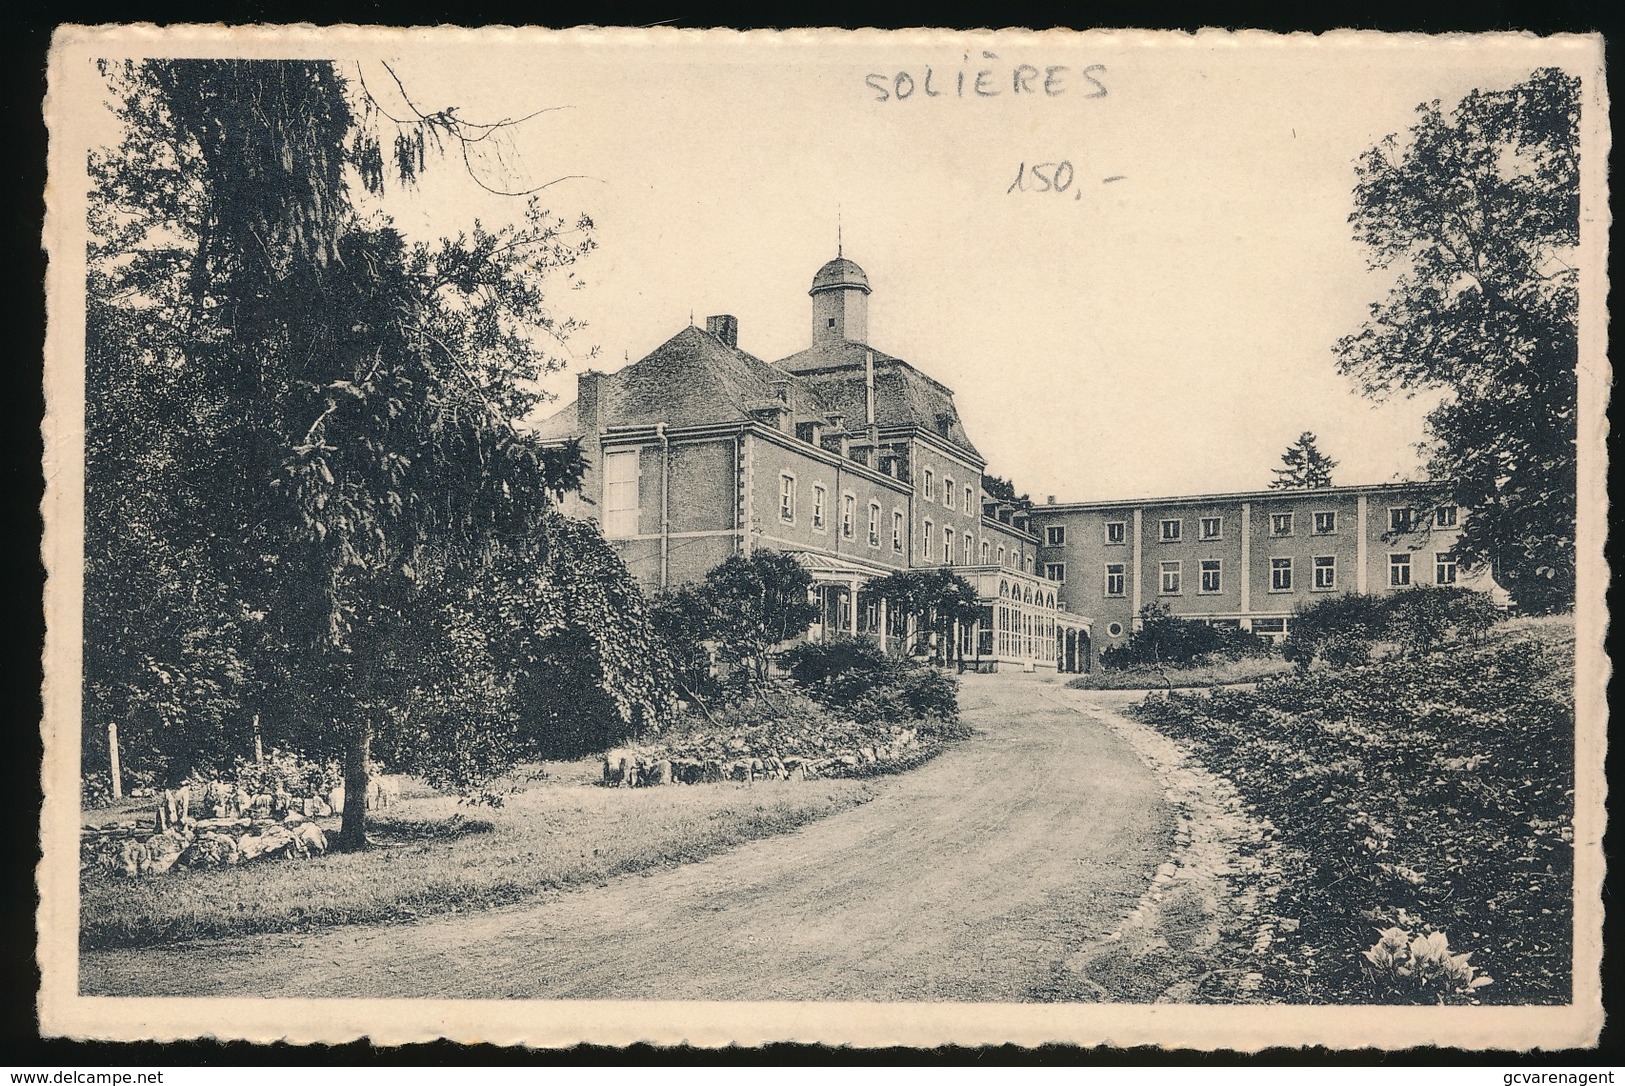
(789, 497)
(1210, 573)
(1401, 519)
(929, 491)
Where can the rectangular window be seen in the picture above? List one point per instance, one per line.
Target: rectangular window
(818, 508)
(621, 494)
(970, 501)
(970, 545)
(849, 513)
(1001, 556)
(1171, 578)
(927, 536)
(930, 487)
(874, 525)
(1171, 530)
(1212, 528)
(1326, 523)
(896, 531)
(1399, 570)
(1055, 536)
(1055, 571)
(948, 546)
(1401, 519)
(1116, 531)
(1212, 575)
(787, 497)
(1114, 578)
(1280, 524)
(985, 546)
(948, 492)
(1444, 568)
(1280, 575)
(1325, 572)
(1444, 516)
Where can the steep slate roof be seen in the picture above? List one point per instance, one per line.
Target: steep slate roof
(691, 379)
(903, 395)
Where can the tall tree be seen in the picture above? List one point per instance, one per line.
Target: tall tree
(1303, 466)
(351, 393)
(1476, 213)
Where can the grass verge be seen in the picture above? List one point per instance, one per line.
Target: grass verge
(1433, 794)
(434, 857)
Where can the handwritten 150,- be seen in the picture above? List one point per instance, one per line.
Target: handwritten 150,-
(1052, 81)
(1052, 177)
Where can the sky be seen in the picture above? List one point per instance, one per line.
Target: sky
(1163, 326)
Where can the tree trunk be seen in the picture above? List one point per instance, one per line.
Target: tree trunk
(352, 835)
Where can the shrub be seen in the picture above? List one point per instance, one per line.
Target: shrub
(1422, 618)
(283, 771)
(1342, 630)
(1165, 639)
(856, 677)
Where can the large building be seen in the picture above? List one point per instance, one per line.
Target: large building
(857, 463)
(1243, 560)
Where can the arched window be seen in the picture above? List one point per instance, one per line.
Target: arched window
(1004, 589)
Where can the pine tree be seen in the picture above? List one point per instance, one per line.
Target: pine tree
(1306, 467)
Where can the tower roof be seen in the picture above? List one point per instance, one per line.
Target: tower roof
(840, 274)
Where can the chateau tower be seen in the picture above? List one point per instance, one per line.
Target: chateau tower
(840, 303)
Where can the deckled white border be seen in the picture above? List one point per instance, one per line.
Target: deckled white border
(560, 1023)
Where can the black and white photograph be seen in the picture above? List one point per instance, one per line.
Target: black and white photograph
(917, 537)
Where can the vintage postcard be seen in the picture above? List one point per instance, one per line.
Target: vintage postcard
(873, 538)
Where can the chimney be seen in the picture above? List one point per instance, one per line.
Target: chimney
(725, 328)
(589, 394)
(869, 394)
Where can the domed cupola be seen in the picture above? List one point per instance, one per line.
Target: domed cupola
(840, 303)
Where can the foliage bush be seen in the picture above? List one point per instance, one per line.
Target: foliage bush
(1433, 793)
(1164, 639)
(283, 771)
(1344, 630)
(854, 676)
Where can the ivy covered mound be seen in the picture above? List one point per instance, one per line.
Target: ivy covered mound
(1424, 808)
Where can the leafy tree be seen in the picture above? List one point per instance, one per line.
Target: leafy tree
(1303, 466)
(1004, 490)
(757, 601)
(1477, 214)
(332, 402)
(935, 599)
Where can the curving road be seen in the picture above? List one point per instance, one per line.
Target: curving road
(974, 877)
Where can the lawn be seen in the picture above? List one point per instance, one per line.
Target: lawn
(1248, 669)
(1433, 794)
(434, 856)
